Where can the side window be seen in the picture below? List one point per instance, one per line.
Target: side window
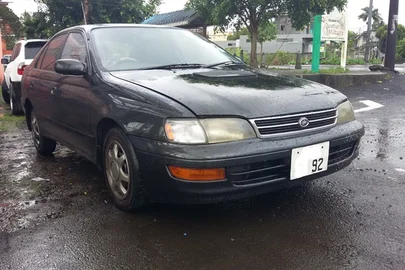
(52, 53)
(16, 52)
(75, 48)
(40, 59)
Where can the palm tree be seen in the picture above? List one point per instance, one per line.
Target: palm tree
(376, 16)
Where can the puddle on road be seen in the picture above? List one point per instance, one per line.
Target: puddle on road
(34, 188)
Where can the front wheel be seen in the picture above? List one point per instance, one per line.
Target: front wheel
(5, 92)
(121, 172)
(43, 145)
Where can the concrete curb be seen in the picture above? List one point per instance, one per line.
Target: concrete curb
(345, 79)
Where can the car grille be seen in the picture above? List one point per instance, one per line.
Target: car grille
(289, 124)
(279, 169)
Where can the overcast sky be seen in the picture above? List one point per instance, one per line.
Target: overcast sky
(354, 9)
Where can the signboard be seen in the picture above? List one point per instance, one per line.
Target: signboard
(334, 26)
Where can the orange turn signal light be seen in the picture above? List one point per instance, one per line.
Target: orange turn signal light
(169, 132)
(197, 174)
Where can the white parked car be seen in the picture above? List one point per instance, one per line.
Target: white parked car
(24, 52)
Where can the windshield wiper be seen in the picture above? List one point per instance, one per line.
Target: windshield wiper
(226, 63)
(174, 66)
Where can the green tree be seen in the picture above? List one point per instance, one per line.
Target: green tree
(401, 49)
(267, 31)
(253, 13)
(382, 35)
(10, 25)
(375, 15)
(351, 44)
(61, 14)
(35, 25)
(236, 35)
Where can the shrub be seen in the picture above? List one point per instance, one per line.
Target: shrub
(355, 61)
(330, 61)
(375, 61)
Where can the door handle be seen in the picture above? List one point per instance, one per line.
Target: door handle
(53, 90)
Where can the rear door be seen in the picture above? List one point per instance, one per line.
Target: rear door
(70, 98)
(42, 80)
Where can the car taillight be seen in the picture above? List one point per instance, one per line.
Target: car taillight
(20, 69)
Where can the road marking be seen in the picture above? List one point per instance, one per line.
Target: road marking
(371, 105)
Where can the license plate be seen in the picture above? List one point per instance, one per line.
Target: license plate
(309, 160)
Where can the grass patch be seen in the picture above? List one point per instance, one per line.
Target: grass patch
(7, 120)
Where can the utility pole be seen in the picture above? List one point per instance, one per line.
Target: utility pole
(85, 8)
(392, 35)
(370, 16)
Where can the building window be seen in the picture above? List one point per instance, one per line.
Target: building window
(282, 27)
(285, 40)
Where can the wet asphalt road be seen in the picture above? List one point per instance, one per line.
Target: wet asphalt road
(55, 212)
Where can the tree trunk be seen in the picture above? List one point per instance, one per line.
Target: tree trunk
(205, 31)
(253, 50)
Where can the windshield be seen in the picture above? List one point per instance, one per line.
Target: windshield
(130, 48)
(32, 48)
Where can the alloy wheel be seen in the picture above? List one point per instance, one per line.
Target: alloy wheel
(117, 170)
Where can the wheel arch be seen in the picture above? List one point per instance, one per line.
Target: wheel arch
(104, 125)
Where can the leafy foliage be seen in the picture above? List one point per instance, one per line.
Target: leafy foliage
(375, 15)
(351, 44)
(55, 15)
(35, 25)
(11, 27)
(236, 35)
(382, 35)
(253, 13)
(267, 31)
(401, 49)
(356, 61)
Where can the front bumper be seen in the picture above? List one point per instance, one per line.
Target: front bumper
(252, 167)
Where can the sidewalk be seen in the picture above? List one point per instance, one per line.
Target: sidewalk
(357, 68)
(336, 80)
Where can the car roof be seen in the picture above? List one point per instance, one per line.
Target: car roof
(31, 40)
(90, 27)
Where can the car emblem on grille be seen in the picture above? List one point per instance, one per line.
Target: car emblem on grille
(303, 122)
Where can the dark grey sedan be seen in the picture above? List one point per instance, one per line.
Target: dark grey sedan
(171, 117)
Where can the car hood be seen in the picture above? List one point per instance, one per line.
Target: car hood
(246, 93)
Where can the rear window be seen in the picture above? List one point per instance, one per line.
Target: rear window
(32, 48)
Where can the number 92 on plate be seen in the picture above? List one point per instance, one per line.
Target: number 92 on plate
(309, 160)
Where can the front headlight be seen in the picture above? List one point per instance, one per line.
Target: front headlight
(214, 130)
(345, 113)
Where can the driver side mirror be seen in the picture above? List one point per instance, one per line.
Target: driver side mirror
(4, 61)
(70, 67)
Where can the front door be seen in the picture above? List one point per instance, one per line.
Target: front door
(42, 79)
(70, 97)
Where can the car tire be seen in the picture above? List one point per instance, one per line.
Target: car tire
(15, 105)
(43, 145)
(5, 92)
(121, 172)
